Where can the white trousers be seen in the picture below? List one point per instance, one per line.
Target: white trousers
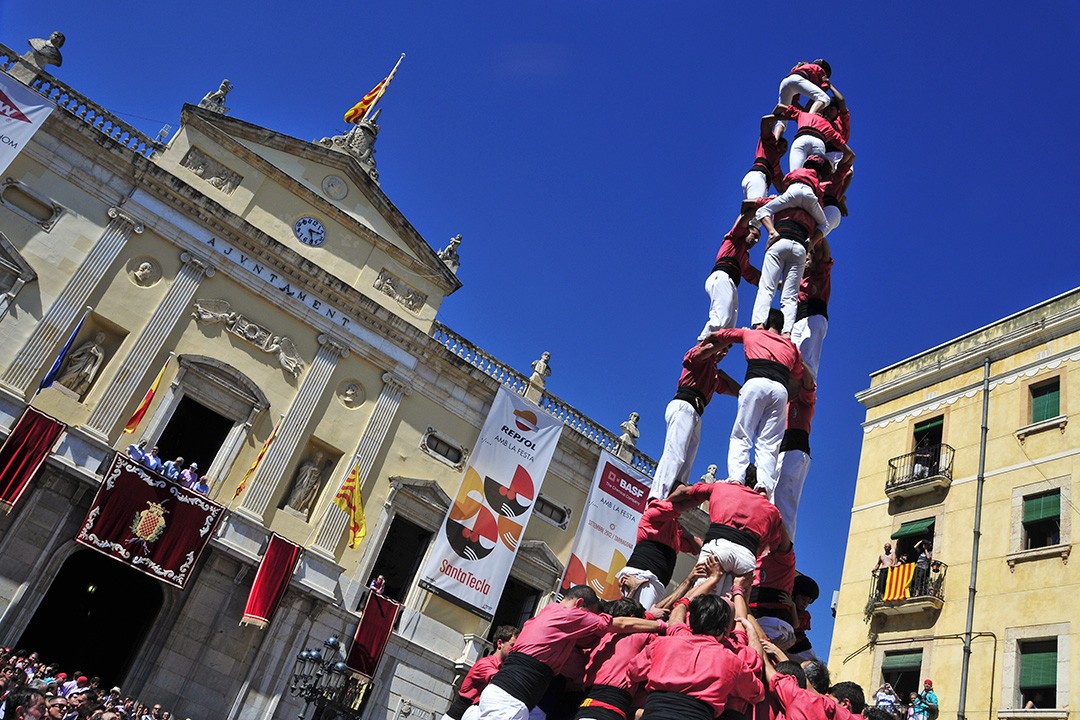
(803, 147)
(754, 185)
(794, 85)
(784, 260)
(680, 448)
(798, 195)
(723, 303)
(832, 214)
(808, 335)
(497, 704)
(649, 592)
(734, 560)
(760, 424)
(794, 466)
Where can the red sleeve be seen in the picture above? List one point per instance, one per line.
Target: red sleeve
(793, 113)
(785, 687)
(692, 359)
(750, 273)
(699, 491)
(660, 510)
(831, 133)
(734, 335)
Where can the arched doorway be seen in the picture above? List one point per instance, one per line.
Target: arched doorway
(94, 616)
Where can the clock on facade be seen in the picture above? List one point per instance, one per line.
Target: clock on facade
(310, 231)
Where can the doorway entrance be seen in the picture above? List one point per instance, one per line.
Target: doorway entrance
(94, 617)
(517, 604)
(402, 550)
(195, 432)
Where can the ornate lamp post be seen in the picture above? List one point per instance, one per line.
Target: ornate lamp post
(320, 677)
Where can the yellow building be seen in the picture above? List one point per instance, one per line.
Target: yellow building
(971, 449)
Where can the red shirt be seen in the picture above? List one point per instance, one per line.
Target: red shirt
(818, 283)
(843, 124)
(765, 345)
(800, 410)
(807, 177)
(819, 124)
(479, 676)
(734, 247)
(557, 630)
(660, 523)
(701, 666)
(776, 571)
(740, 507)
(812, 72)
(699, 373)
(803, 704)
(611, 656)
(767, 158)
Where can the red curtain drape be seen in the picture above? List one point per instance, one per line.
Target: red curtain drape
(376, 624)
(23, 453)
(275, 570)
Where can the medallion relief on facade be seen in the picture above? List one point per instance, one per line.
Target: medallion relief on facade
(211, 171)
(409, 297)
(214, 312)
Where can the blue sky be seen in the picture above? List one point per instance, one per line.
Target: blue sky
(591, 158)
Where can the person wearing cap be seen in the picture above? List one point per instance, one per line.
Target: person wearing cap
(172, 468)
(80, 683)
(190, 477)
(926, 702)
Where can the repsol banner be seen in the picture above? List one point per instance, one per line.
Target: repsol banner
(22, 111)
(471, 555)
(608, 527)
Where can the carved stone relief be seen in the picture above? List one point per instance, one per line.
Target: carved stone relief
(213, 312)
(334, 187)
(351, 394)
(143, 271)
(211, 170)
(409, 297)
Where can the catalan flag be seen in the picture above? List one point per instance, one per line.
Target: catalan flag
(898, 584)
(255, 465)
(350, 500)
(136, 418)
(360, 110)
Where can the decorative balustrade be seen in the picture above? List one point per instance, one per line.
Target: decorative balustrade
(80, 106)
(905, 588)
(560, 409)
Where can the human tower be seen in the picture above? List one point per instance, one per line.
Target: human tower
(729, 639)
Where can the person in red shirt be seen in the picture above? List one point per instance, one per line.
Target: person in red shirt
(659, 542)
(770, 597)
(772, 364)
(817, 135)
(794, 459)
(700, 378)
(465, 702)
(766, 168)
(810, 80)
(545, 646)
(732, 265)
(812, 312)
(609, 692)
(804, 592)
(705, 665)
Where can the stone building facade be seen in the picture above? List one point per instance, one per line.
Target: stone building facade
(290, 293)
(971, 448)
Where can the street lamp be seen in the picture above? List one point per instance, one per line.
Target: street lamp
(320, 677)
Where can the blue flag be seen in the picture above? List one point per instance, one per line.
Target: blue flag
(55, 370)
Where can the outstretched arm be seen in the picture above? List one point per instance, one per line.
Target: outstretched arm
(713, 575)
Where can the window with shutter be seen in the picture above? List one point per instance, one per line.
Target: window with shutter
(1046, 400)
(1038, 673)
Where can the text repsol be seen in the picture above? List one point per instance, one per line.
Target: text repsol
(515, 435)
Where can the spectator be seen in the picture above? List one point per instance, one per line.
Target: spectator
(885, 560)
(926, 702)
(172, 468)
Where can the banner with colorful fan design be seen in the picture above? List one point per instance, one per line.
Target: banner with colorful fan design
(608, 528)
(471, 555)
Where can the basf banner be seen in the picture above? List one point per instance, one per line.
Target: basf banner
(471, 556)
(608, 527)
(22, 111)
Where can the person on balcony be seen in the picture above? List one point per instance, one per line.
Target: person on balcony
(922, 568)
(886, 560)
(926, 702)
(924, 456)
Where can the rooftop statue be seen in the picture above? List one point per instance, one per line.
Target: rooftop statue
(45, 52)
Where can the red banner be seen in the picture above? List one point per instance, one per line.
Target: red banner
(156, 526)
(23, 452)
(372, 634)
(271, 580)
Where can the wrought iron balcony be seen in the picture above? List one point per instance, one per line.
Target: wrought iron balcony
(927, 468)
(907, 589)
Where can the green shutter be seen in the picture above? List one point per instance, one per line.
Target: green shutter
(1038, 669)
(1042, 507)
(915, 527)
(902, 661)
(1045, 402)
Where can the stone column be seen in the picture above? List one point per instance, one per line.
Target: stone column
(292, 426)
(335, 520)
(72, 299)
(149, 343)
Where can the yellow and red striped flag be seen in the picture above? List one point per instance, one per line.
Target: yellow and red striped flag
(350, 499)
(136, 418)
(898, 585)
(255, 465)
(360, 110)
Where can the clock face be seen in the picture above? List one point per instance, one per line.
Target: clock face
(310, 231)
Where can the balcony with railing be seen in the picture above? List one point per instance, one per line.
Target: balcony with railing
(925, 469)
(906, 589)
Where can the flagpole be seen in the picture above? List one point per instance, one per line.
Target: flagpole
(54, 370)
(255, 469)
(385, 84)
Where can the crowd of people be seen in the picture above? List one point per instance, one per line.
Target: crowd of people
(31, 688)
(919, 706)
(731, 639)
(173, 469)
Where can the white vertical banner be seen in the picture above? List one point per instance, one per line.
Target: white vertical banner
(471, 555)
(22, 111)
(608, 530)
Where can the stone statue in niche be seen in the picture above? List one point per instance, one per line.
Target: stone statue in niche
(45, 52)
(630, 435)
(541, 369)
(144, 274)
(710, 474)
(215, 100)
(83, 365)
(307, 483)
(449, 254)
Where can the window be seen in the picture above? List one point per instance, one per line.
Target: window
(910, 535)
(443, 448)
(901, 669)
(557, 515)
(1042, 520)
(400, 556)
(927, 438)
(1038, 673)
(1046, 400)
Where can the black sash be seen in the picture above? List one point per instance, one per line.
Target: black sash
(742, 538)
(694, 397)
(663, 705)
(812, 306)
(793, 230)
(730, 266)
(614, 696)
(795, 439)
(656, 557)
(768, 369)
(813, 132)
(762, 167)
(523, 677)
(759, 594)
(458, 706)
